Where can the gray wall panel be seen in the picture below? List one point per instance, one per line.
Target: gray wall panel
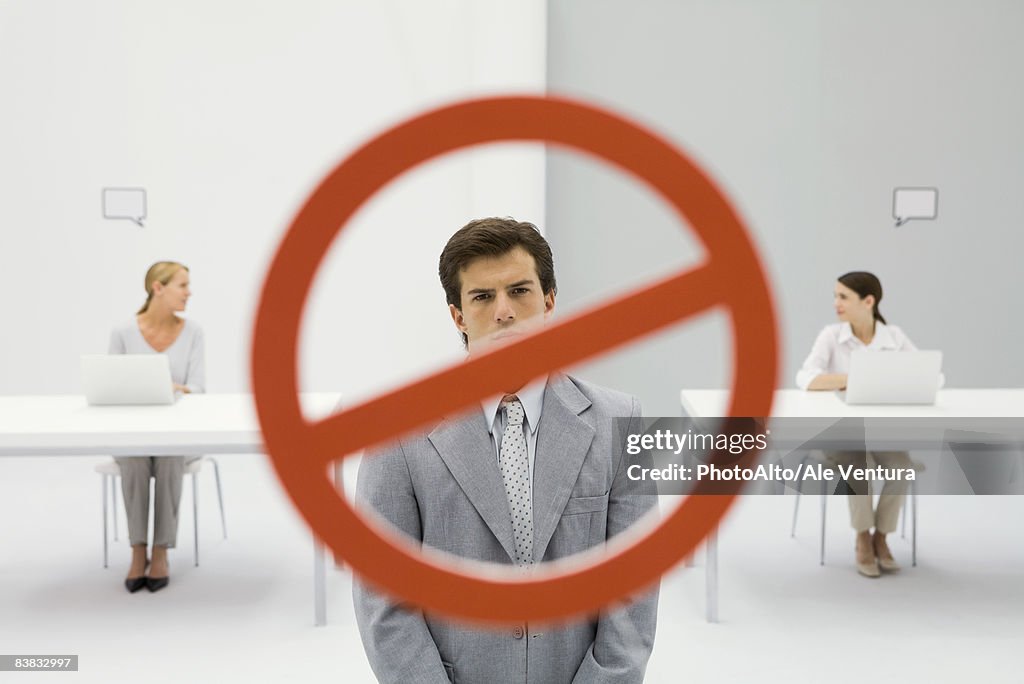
(806, 115)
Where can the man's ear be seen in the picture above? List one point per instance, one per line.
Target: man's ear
(549, 303)
(457, 318)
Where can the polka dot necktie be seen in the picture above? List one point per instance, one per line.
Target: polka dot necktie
(515, 471)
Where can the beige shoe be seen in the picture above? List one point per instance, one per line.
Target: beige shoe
(869, 568)
(885, 560)
(889, 565)
(867, 564)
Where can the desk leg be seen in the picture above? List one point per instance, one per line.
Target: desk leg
(711, 574)
(105, 554)
(691, 560)
(319, 584)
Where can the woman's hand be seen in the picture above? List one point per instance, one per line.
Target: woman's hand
(182, 388)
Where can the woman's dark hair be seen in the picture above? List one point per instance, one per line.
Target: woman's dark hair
(864, 284)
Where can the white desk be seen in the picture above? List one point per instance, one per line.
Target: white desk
(950, 403)
(195, 424)
(792, 403)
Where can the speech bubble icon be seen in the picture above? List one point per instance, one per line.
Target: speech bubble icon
(914, 203)
(125, 203)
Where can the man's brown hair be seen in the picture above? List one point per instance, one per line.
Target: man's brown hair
(492, 237)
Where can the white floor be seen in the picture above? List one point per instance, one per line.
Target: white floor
(246, 613)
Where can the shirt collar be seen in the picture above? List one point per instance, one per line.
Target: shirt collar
(532, 398)
(883, 338)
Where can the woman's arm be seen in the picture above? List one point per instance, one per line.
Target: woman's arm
(828, 381)
(813, 374)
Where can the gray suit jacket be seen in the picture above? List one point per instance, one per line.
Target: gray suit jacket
(444, 489)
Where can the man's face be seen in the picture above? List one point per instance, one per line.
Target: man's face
(501, 300)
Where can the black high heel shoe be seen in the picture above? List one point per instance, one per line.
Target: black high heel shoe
(157, 583)
(134, 584)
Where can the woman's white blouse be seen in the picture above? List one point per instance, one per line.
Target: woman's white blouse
(832, 349)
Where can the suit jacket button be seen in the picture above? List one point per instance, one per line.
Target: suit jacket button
(517, 632)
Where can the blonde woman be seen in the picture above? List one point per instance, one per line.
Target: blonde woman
(157, 329)
(861, 326)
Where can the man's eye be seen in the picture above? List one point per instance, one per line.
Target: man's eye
(520, 290)
(481, 297)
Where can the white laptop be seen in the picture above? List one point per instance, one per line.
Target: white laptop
(891, 377)
(127, 379)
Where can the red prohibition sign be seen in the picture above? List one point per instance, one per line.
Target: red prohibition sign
(302, 451)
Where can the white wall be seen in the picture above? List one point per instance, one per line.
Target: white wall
(229, 114)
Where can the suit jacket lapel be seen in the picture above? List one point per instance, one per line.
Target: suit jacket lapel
(563, 441)
(465, 447)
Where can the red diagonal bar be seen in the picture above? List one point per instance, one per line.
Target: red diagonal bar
(583, 336)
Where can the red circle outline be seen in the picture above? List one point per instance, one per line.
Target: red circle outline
(732, 277)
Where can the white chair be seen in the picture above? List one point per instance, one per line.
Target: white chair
(911, 501)
(110, 472)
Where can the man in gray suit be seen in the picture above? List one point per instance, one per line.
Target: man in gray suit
(536, 475)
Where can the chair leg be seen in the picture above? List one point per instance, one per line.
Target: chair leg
(824, 507)
(113, 502)
(796, 509)
(104, 500)
(220, 498)
(796, 504)
(902, 521)
(195, 520)
(913, 525)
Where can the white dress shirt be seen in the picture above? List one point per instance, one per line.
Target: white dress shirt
(532, 398)
(831, 351)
